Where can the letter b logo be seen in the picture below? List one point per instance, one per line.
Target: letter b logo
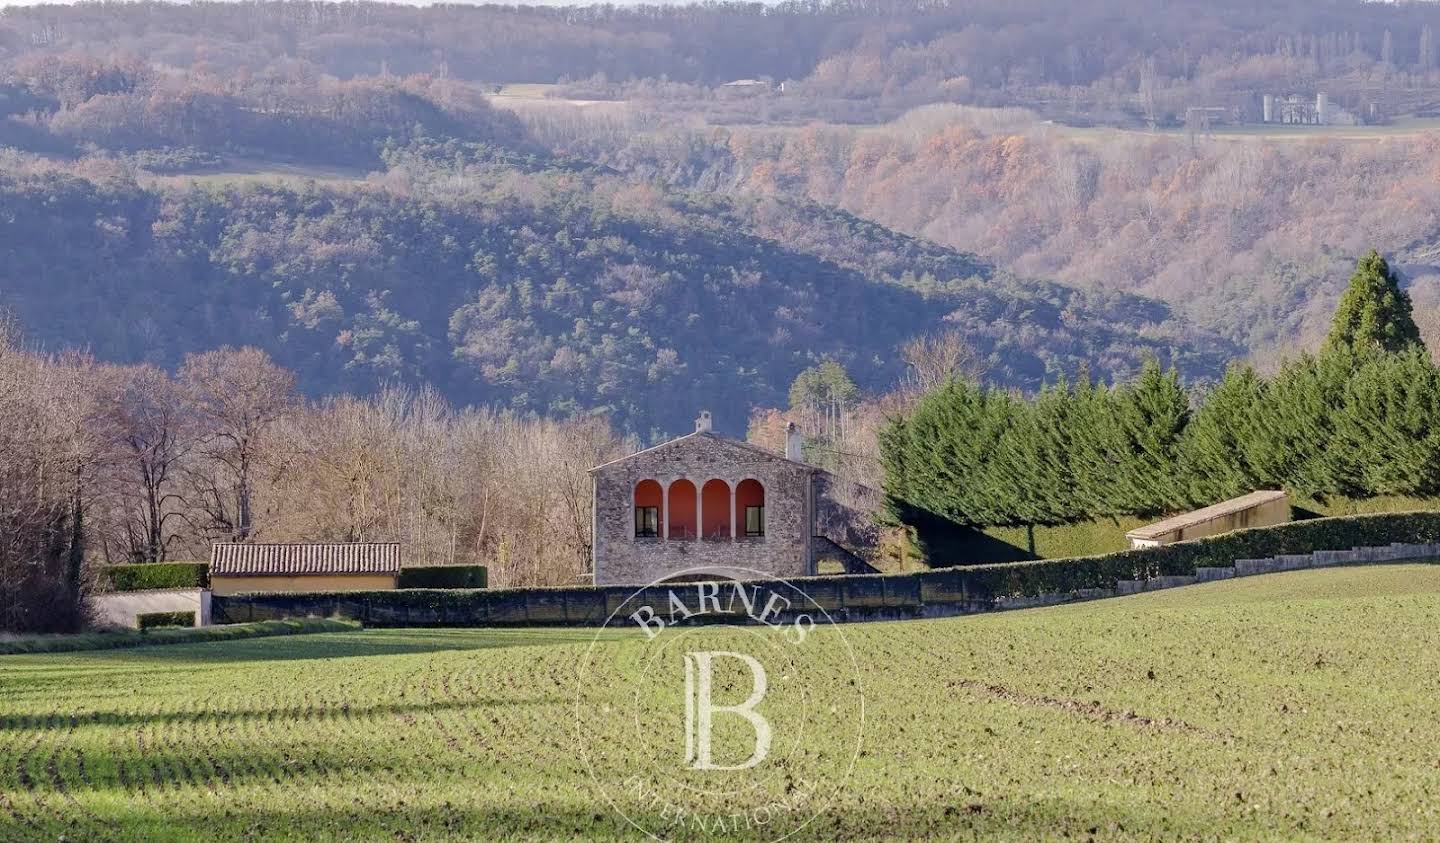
(700, 711)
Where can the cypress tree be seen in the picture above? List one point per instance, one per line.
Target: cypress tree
(1151, 414)
(1374, 314)
(1094, 450)
(1214, 459)
(1293, 441)
(937, 463)
(1387, 438)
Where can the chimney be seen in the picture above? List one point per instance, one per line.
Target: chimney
(794, 443)
(702, 422)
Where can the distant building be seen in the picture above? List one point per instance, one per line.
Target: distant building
(744, 88)
(1257, 509)
(1298, 110)
(733, 508)
(350, 566)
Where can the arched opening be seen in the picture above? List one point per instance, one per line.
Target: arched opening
(682, 512)
(715, 509)
(649, 509)
(750, 508)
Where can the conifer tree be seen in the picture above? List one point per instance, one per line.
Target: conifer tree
(1387, 438)
(1094, 455)
(1215, 459)
(1292, 443)
(1150, 415)
(1374, 314)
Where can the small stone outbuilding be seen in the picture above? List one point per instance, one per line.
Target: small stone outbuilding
(706, 505)
(343, 566)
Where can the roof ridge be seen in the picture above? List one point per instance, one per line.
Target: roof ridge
(713, 435)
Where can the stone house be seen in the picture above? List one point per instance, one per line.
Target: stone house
(705, 505)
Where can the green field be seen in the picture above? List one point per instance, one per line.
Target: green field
(1298, 705)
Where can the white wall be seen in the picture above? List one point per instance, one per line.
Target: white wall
(119, 609)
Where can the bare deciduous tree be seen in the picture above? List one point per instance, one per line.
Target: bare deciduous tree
(935, 360)
(238, 395)
(155, 434)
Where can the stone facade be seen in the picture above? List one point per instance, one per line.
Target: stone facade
(622, 557)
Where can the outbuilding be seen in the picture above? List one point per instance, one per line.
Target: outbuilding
(1257, 509)
(349, 566)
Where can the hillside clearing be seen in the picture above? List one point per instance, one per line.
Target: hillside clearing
(1293, 705)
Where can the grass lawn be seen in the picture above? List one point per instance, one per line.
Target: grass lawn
(1299, 705)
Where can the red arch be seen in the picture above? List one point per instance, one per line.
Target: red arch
(648, 493)
(715, 509)
(682, 510)
(748, 493)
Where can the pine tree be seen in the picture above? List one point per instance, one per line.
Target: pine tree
(1374, 314)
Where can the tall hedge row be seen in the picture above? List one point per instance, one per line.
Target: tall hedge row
(443, 576)
(1361, 419)
(1032, 579)
(159, 575)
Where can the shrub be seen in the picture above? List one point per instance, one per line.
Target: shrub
(159, 575)
(443, 576)
(1031, 579)
(155, 620)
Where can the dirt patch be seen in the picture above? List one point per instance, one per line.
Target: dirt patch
(1089, 710)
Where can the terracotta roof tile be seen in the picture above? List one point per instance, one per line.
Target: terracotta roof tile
(293, 559)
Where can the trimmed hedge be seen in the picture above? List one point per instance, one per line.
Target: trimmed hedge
(169, 635)
(159, 575)
(156, 620)
(443, 576)
(1032, 579)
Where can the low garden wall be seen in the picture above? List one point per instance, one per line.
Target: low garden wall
(119, 609)
(1320, 542)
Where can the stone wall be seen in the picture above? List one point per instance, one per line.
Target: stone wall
(784, 550)
(929, 594)
(118, 609)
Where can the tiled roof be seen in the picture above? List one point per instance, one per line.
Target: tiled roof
(1209, 513)
(690, 437)
(298, 559)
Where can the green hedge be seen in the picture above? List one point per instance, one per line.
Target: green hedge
(169, 635)
(156, 620)
(863, 596)
(1031, 579)
(159, 575)
(443, 576)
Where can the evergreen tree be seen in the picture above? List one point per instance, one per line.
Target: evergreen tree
(1214, 461)
(1387, 439)
(1095, 450)
(1292, 441)
(1150, 416)
(937, 460)
(1374, 314)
